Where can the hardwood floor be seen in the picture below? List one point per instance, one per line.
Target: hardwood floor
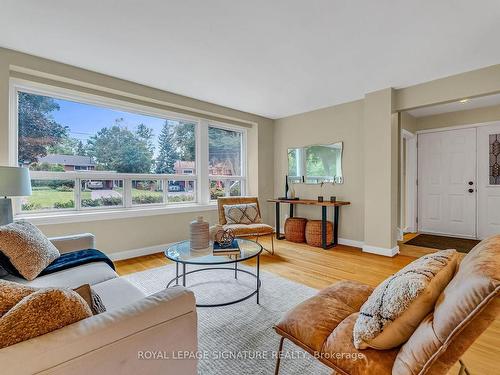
(318, 268)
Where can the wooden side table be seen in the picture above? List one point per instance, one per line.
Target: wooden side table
(310, 202)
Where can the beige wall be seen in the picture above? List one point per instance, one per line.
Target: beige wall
(329, 125)
(128, 234)
(467, 117)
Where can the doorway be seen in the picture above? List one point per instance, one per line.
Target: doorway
(458, 183)
(447, 194)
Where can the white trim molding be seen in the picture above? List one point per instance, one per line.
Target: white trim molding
(352, 243)
(123, 213)
(381, 250)
(128, 254)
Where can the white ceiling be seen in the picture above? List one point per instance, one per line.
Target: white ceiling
(273, 58)
(480, 102)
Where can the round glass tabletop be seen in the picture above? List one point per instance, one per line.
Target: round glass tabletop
(181, 252)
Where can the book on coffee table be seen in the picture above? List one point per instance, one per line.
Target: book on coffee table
(233, 249)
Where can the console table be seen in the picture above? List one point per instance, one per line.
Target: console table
(310, 202)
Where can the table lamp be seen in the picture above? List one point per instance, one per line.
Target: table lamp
(14, 182)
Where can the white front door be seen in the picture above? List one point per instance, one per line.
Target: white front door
(446, 182)
(488, 182)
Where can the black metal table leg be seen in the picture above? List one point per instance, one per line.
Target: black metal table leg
(323, 227)
(258, 278)
(184, 274)
(336, 215)
(235, 270)
(176, 273)
(291, 209)
(278, 218)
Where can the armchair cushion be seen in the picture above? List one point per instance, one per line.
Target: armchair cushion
(246, 213)
(222, 201)
(249, 229)
(311, 322)
(323, 324)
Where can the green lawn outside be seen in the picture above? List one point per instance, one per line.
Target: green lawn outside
(48, 198)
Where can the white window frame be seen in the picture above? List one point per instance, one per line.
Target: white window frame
(242, 178)
(200, 178)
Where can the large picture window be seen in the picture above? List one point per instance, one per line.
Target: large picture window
(90, 156)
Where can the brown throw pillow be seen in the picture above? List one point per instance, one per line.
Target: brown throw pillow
(11, 293)
(92, 298)
(246, 213)
(27, 248)
(41, 312)
(397, 306)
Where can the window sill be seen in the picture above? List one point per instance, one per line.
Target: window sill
(111, 214)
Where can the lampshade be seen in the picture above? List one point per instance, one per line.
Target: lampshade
(14, 182)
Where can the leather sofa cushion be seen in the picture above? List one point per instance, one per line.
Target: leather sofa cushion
(463, 311)
(310, 323)
(323, 324)
(91, 273)
(340, 353)
(397, 306)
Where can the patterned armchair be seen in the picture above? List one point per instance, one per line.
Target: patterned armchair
(245, 230)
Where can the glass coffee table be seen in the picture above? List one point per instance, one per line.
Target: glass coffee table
(182, 254)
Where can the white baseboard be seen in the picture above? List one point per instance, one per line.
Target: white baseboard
(127, 254)
(381, 250)
(353, 243)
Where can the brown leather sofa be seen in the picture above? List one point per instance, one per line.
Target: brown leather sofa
(245, 230)
(323, 324)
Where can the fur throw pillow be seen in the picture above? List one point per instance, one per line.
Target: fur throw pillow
(27, 248)
(397, 306)
(40, 311)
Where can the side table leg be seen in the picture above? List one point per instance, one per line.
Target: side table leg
(258, 278)
(336, 217)
(277, 220)
(235, 270)
(323, 227)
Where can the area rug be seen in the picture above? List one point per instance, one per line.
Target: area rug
(242, 332)
(462, 245)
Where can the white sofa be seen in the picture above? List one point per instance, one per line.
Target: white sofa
(119, 341)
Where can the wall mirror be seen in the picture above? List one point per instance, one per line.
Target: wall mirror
(316, 164)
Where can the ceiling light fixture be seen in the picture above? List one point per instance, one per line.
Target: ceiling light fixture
(464, 100)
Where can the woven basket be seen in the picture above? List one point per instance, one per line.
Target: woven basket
(295, 229)
(313, 232)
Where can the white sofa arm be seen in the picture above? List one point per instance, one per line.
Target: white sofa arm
(112, 342)
(66, 244)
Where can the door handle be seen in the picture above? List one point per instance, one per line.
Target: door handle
(471, 190)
